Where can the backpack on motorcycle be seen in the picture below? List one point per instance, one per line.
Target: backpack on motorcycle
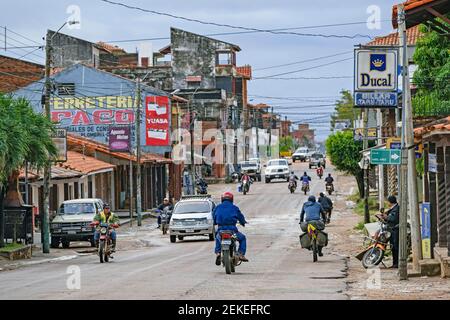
(305, 242)
(317, 224)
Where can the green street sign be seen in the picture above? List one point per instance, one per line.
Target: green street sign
(385, 156)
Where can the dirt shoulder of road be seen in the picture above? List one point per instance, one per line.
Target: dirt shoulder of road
(380, 283)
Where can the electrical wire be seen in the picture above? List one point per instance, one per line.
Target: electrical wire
(233, 26)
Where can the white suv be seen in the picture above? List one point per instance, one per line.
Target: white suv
(192, 216)
(277, 169)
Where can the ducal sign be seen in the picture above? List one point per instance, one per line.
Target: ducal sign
(376, 70)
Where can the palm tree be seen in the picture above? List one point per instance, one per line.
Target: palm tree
(25, 136)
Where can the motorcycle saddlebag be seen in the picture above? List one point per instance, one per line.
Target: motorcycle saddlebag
(322, 238)
(305, 242)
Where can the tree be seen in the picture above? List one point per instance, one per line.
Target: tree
(344, 109)
(432, 77)
(24, 136)
(344, 153)
(286, 144)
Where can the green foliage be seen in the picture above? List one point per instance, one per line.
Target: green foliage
(11, 247)
(420, 166)
(286, 144)
(344, 109)
(344, 152)
(24, 136)
(432, 77)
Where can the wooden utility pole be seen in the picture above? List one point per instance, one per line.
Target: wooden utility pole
(366, 168)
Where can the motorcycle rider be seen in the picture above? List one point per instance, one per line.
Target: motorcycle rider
(305, 178)
(293, 178)
(319, 171)
(106, 216)
(312, 212)
(166, 204)
(226, 215)
(327, 205)
(392, 219)
(202, 184)
(244, 177)
(329, 179)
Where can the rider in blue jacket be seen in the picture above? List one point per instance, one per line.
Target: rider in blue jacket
(226, 216)
(305, 178)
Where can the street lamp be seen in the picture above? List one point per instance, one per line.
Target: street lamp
(47, 169)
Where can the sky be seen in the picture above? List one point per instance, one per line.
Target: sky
(307, 100)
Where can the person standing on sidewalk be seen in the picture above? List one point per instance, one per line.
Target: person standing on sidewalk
(392, 219)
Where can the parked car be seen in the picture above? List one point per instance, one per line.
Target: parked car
(192, 216)
(300, 154)
(316, 160)
(72, 222)
(252, 169)
(276, 169)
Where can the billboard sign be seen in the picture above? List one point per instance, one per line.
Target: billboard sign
(376, 70)
(426, 230)
(432, 163)
(157, 125)
(119, 139)
(376, 99)
(59, 138)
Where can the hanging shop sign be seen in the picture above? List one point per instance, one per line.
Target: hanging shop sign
(157, 126)
(59, 138)
(119, 139)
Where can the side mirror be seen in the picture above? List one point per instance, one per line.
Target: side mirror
(265, 165)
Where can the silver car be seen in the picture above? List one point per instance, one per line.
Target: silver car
(192, 216)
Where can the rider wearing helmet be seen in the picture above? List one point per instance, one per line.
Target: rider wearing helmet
(312, 212)
(166, 204)
(226, 216)
(305, 178)
(106, 216)
(329, 179)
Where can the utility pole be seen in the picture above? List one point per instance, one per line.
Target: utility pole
(366, 167)
(413, 205)
(131, 187)
(138, 153)
(380, 167)
(270, 133)
(45, 230)
(403, 246)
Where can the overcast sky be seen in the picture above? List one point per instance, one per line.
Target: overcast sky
(101, 21)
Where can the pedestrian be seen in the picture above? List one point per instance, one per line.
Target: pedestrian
(392, 219)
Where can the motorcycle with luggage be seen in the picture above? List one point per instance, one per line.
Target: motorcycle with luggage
(305, 187)
(313, 237)
(292, 186)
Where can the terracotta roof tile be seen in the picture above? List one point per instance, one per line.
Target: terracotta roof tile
(442, 125)
(89, 144)
(85, 164)
(16, 73)
(110, 48)
(245, 71)
(412, 34)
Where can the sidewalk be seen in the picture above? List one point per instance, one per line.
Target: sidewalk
(379, 283)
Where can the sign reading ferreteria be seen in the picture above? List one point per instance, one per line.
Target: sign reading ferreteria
(376, 78)
(385, 156)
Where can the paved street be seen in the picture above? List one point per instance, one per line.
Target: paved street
(278, 267)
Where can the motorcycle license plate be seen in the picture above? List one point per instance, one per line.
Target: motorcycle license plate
(226, 242)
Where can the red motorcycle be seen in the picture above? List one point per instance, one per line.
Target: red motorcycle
(105, 241)
(319, 172)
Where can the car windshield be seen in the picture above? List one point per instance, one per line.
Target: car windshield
(317, 156)
(77, 208)
(277, 163)
(248, 164)
(192, 207)
(301, 151)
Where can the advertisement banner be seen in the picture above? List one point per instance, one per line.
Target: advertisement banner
(426, 230)
(157, 125)
(59, 138)
(119, 139)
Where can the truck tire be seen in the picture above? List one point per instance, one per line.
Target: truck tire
(173, 239)
(65, 244)
(54, 243)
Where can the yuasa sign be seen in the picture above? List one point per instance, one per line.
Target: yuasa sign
(157, 121)
(376, 70)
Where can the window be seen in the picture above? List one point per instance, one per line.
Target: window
(66, 89)
(224, 58)
(192, 207)
(77, 208)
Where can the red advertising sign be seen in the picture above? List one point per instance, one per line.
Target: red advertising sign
(157, 121)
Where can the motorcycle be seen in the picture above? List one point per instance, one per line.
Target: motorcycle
(319, 173)
(292, 186)
(305, 187)
(105, 241)
(202, 187)
(245, 186)
(373, 255)
(329, 188)
(229, 254)
(313, 237)
(166, 214)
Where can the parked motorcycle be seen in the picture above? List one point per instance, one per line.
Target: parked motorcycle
(292, 186)
(230, 257)
(105, 241)
(329, 188)
(373, 255)
(305, 187)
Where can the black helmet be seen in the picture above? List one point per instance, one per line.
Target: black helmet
(312, 199)
(321, 194)
(292, 172)
(305, 174)
(106, 206)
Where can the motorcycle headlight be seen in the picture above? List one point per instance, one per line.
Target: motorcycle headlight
(103, 230)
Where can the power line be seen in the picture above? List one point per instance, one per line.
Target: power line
(233, 26)
(308, 78)
(304, 69)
